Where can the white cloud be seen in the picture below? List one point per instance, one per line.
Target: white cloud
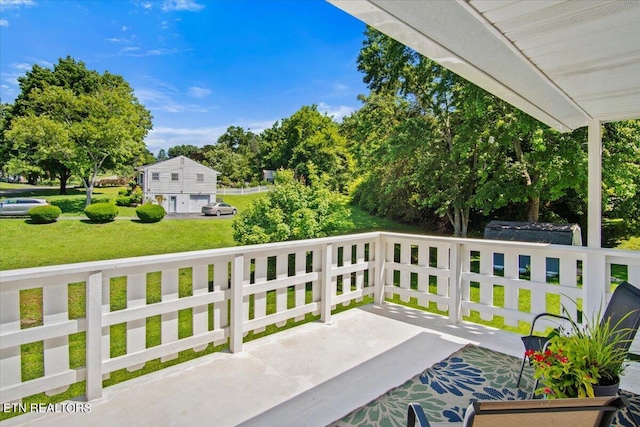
(137, 53)
(181, 5)
(198, 92)
(147, 5)
(4, 23)
(338, 113)
(22, 66)
(12, 4)
(157, 52)
(166, 137)
(163, 100)
(117, 40)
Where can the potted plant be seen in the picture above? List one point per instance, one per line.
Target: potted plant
(577, 362)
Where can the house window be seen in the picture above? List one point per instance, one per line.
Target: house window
(155, 176)
(199, 177)
(175, 177)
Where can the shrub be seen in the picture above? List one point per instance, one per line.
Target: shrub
(124, 192)
(136, 195)
(292, 211)
(123, 201)
(44, 214)
(150, 212)
(101, 212)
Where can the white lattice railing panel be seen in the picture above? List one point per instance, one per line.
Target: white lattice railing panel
(224, 294)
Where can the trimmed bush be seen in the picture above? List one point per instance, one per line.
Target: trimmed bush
(150, 212)
(136, 195)
(123, 201)
(101, 212)
(44, 214)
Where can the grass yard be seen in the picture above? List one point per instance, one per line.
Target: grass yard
(72, 239)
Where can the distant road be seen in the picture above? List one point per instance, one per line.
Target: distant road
(9, 191)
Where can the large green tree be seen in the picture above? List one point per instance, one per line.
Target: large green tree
(187, 150)
(236, 155)
(469, 151)
(67, 73)
(443, 137)
(309, 136)
(96, 123)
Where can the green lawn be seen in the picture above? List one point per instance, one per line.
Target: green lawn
(77, 240)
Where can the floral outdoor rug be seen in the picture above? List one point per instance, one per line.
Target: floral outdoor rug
(446, 389)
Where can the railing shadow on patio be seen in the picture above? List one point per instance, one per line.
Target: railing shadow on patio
(131, 311)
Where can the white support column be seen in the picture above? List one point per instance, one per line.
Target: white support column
(595, 275)
(594, 213)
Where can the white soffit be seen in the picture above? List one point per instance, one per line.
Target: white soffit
(563, 62)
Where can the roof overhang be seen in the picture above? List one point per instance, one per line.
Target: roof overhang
(562, 62)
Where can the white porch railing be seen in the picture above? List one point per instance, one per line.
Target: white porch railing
(233, 291)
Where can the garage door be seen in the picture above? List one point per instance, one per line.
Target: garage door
(197, 202)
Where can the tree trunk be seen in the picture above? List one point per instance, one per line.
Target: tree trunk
(533, 209)
(63, 176)
(457, 229)
(465, 222)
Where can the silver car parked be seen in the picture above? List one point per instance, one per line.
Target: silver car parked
(19, 205)
(218, 209)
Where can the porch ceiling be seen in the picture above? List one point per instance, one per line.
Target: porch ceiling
(564, 62)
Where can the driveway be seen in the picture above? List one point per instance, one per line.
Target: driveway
(174, 215)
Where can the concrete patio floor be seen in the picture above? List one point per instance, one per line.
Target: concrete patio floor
(306, 376)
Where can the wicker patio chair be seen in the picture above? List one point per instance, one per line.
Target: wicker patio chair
(585, 412)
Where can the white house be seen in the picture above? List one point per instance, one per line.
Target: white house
(180, 184)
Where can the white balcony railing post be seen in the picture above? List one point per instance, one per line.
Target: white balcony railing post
(379, 271)
(94, 335)
(455, 284)
(325, 294)
(237, 296)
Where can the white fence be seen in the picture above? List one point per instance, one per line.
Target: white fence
(223, 191)
(226, 293)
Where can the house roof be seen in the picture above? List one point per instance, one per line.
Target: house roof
(178, 159)
(563, 62)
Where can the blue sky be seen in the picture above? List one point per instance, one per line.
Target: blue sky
(199, 66)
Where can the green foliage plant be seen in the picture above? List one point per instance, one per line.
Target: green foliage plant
(136, 195)
(293, 210)
(101, 212)
(123, 201)
(576, 360)
(44, 214)
(150, 213)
